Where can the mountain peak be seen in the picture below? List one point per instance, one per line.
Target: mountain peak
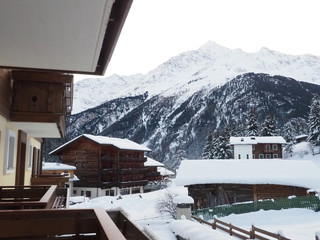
(212, 46)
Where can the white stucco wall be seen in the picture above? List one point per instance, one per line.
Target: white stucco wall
(243, 150)
(7, 178)
(98, 192)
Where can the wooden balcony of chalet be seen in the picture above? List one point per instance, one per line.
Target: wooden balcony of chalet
(132, 183)
(64, 224)
(124, 171)
(153, 176)
(42, 98)
(121, 183)
(50, 179)
(53, 179)
(123, 159)
(32, 197)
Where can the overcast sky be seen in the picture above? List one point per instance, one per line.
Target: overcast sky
(156, 30)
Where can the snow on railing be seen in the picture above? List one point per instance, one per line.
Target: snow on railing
(254, 233)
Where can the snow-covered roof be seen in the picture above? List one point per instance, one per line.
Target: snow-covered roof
(301, 136)
(165, 172)
(56, 166)
(300, 173)
(74, 179)
(123, 144)
(256, 140)
(183, 199)
(152, 163)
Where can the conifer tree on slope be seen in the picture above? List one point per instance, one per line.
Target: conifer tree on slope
(269, 127)
(314, 121)
(221, 146)
(207, 150)
(252, 123)
(288, 134)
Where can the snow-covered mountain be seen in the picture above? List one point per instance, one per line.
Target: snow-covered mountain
(206, 68)
(176, 129)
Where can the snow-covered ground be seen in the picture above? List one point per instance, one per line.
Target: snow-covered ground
(296, 224)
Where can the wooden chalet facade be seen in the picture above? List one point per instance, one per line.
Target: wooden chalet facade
(217, 182)
(209, 195)
(154, 177)
(268, 147)
(40, 50)
(152, 173)
(105, 166)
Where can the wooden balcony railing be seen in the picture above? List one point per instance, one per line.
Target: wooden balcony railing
(52, 179)
(32, 197)
(123, 159)
(71, 224)
(133, 183)
(41, 97)
(128, 229)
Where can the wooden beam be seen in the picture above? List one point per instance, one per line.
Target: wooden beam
(118, 16)
(255, 196)
(21, 158)
(36, 224)
(41, 77)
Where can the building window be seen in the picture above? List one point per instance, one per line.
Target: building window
(275, 147)
(268, 156)
(268, 147)
(10, 151)
(82, 193)
(261, 156)
(74, 192)
(239, 156)
(253, 156)
(30, 156)
(247, 156)
(253, 147)
(275, 156)
(88, 193)
(135, 190)
(109, 192)
(124, 191)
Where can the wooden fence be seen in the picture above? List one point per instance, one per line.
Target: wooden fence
(254, 233)
(305, 202)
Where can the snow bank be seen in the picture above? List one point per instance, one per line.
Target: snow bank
(195, 231)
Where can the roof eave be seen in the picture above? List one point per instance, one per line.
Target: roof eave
(116, 21)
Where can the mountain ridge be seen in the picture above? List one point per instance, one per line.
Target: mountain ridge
(209, 66)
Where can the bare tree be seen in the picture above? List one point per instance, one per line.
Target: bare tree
(165, 205)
